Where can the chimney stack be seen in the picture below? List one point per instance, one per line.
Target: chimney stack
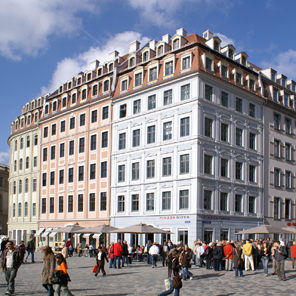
(134, 46)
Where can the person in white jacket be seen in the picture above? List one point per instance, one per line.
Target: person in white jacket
(199, 255)
(154, 251)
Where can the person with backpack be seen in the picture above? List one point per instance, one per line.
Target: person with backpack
(30, 249)
(217, 256)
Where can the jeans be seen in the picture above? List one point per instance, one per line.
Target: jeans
(240, 269)
(148, 259)
(28, 253)
(208, 263)
(111, 263)
(194, 258)
(154, 259)
(117, 258)
(10, 274)
(170, 290)
(186, 272)
(49, 288)
(280, 269)
(64, 289)
(265, 263)
(228, 264)
(125, 258)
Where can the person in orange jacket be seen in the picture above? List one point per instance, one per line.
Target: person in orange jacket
(228, 253)
(293, 253)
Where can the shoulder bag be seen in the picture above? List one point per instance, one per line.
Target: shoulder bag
(176, 282)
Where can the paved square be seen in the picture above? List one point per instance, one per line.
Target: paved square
(140, 279)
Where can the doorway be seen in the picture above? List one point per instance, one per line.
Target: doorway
(208, 236)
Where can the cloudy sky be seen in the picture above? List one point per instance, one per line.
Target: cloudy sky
(44, 43)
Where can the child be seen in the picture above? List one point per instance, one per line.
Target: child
(62, 265)
(101, 261)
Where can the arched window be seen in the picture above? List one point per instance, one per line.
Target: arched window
(216, 45)
(145, 56)
(100, 72)
(26, 209)
(29, 120)
(111, 67)
(14, 187)
(15, 145)
(26, 185)
(27, 162)
(21, 143)
(15, 165)
(20, 186)
(21, 164)
(176, 44)
(28, 141)
(13, 210)
(20, 209)
(36, 117)
(132, 62)
(160, 50)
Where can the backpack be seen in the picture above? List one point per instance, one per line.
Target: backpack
(71, 248)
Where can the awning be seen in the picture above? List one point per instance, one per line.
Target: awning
(97, 235)
(46, 233)
(86, 235)
(53, 233)
(39, 231)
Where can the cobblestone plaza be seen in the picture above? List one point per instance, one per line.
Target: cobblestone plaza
(140, 279)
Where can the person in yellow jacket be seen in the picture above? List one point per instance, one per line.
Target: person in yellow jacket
(247, 250)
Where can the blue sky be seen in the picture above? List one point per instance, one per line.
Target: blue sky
(44, 43)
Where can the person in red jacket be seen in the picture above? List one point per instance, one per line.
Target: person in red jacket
(228, 253)
(111, 255)
(293, 253)
(117, 253)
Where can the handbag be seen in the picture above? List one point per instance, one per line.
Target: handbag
(239, 260)
(57, 277)
(95, 268)
(177, 282)
(167, 284)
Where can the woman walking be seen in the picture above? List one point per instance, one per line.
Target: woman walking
(238, 262)
(63, 285)
(65, 251)
(265, 253)
(48, 270)
(101, 261)
(185, 262)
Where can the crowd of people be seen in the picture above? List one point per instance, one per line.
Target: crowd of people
(239, 256)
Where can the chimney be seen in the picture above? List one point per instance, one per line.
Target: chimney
(208, 34)
(181, 32)
(166, 38)
(113, 55)
(134, 46)
(152, 44)
(95, 64)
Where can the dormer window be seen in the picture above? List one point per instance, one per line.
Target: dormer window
(22, 122)
(176, 43)
(73, 100)
(124, 85)
(88, 76)
(169, 68)
(138, 79)
(61, 90)
(46, 109)
(79, 81)
(224, 71)
(209, 63)
(185, 63)
(95, 90)
(286, 100)
(244, 61)
(100, 72)
(252, 84)
(230, 53)
(111, 67)
(160, 50)
(132, 62)
(106, 85)
(83, 94)
(293, 87)
(153, 74)
(69, 85)
(145, 56)
(275, 94)
(283, 82)
(238, 78)
(54, 106)
(16, 125)
(35, 117)
(272, 76)
(29, 120)
(39, 100)
(32, 105)
(216, 45)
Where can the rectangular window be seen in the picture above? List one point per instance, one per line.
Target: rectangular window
(208, 164)
(224, 71)
(153, 74)
(252, 171)
(123, 85)
(135, 171)
(121, 173)
(185, 63)
(103, 203)
(121, 144)
(224, 132)
(277, 121)
(104, 139)
(51, 205)
(45, 133)
(121, 204)
(166, 200)
(72, 123)
(138, 79)
(93, 142)
(239, 105)
(137, 106)
(34, 185)
(94, 116)
(184, 164)
(252, 110)
(136, 138)
(80, 203)
(277, 176)
(184, 127)
(135, 202)
(167, 166)
(44, 154)
(53, 130)
(52, 177)
(150, 202)
(168, 97)
(61, 177)
(184, 198)
(104, 169)
(276, 209)
(82, 120)
(277, 148)
(238, 203)
(81, 173)
(35, 140)
(238, 170)
(150, 168)
(70, 204)
(151, 134)
(151, 102)
(239, 137)
(252, 203)
(70, 175)
(95, 90)
(43, 206)
(275, 94)
(92, 202)
(169, 68)
(208, 127)
(64, 102)
(252, 84)
(224, 99)
(63, 126)
(252, 141)
(83, 95)
(52, 152)
(62, 149)
(286, 100)
(208, 64)
(122, 111)
(238, 78)
(44, 179)
(208, 92)
(35, 161)
(71, 147)
(167, 131)
(105, 113)
(224, 167)
(288, 151)
(288, 124)
(61, 204)
(288, 204)
(223, 201)
(207, 199)
(81, 145)
(185, 92)
(92, 171)
(288, 179)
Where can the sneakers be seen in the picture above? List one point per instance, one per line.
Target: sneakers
(8, 293)
(191, 278)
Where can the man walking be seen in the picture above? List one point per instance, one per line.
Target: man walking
(30, 249)
(124, 254)
(279, 255)
(12, 259)
(149, 259)
(247, 250)
(117, 253)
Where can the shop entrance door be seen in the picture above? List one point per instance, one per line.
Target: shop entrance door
(208, 236)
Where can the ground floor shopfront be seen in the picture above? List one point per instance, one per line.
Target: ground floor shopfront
(22, 231)
(282, 224)
(187, 228)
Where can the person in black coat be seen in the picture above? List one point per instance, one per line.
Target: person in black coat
(101, 257)
(209, 255)
(217, 256)
(125, 254)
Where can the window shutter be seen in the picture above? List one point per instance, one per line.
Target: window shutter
(292, 153)
(271, 178)
(282, 179)
(271, 148)
(282, 151)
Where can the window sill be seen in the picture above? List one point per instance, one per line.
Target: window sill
(168, 76)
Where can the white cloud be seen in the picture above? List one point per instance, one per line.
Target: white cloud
(69, 67)
(4, 157)
(284, 63)
(225, 40)
(27, 25)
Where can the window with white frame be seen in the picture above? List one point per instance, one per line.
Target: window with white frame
(160, 50)
(137, 106)
(132, 62)
(184, 164)
(166, 200)
(208, 92)
(186, 63)
(150, 202)
(167, 130)
(238, 170)
(184, 199)
(136, 138)
(169, 68)
(276, 207)
(151, 102)
(106, 85)
(288, 177)
(208, 127)
(288, 151)
(208, 164)
(124, 85)
(121, 203)
(168, 97)
(167, 166)
(223, 201)
(176, 43)
(185, 92)
(145, 56)
(207, 199)
(150, 168)
(209, 64)
(252, 173)
(151, 134)
(184, 127)
(152, 73)
(135, 171)
(224, 167)
(121, 173)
